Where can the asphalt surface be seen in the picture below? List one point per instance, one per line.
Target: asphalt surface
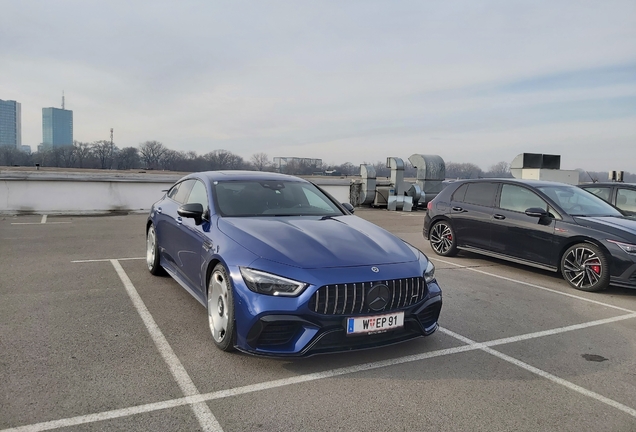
(103, 345)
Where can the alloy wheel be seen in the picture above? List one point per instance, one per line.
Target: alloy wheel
(218, 306)
(442, 238)
(582, 267)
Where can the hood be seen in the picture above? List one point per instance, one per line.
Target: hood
(312, 242)
(624, 227)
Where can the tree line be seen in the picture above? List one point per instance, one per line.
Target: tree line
(153, 155)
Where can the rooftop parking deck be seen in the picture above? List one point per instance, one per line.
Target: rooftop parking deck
(89, 340)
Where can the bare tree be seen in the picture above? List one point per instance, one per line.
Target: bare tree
(171, 159)
(8, 155)
(463, 170)
(82, 152)
(151, 153)
(105, 152)
(499, 170)
(261, 161)
(128, 158)
(223, 160)
(67, 156)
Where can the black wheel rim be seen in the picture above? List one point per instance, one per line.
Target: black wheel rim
(582, 267)
(441, 238)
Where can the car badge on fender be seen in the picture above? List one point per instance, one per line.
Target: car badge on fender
(375, 269)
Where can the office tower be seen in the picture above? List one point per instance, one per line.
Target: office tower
(57, 127)
(10, 123)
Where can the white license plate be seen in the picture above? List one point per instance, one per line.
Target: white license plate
(377, 323)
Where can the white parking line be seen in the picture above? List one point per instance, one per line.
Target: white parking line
(543, 374)
(206, 419)
(43, 219)
(38, 223)
(532, 285)
(108, 260)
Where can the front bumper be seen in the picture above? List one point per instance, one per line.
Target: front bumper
(298, 331)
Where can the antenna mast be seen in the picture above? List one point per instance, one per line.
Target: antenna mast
(63, 99)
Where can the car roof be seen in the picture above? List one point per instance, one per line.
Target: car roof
(244, 175)
(515, 180)
(629, 185)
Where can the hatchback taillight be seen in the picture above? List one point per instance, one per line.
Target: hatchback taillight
(429, 205)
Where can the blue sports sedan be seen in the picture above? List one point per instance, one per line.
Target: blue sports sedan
(285, 270)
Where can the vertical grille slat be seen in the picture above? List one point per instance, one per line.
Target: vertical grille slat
(362, 300)
(350, 298)
(335, 303)
(353, 306)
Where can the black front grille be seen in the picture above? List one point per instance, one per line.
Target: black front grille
(277, 333)
(632, 278)
(349, 299)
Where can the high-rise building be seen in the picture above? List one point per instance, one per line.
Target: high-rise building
(57, 127)
(10, 123)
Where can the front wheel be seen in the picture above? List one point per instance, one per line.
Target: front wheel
(442, 239)
(152, 252)
(585, 267)
(221, 308)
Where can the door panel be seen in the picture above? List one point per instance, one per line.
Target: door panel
(521, 236)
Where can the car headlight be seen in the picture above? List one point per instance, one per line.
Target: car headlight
(629, 248)
(429, 273)
(267, 283)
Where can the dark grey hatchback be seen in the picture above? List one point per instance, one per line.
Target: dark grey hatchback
(549, 225)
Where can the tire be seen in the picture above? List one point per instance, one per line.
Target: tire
(221, 309)
(152, 252)
(585, 267)
(442, 239)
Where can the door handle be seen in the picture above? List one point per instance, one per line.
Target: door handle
(158, 209)
(458, 209)
(179, 220)
(499, 217)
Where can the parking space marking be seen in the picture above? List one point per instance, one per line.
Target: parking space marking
(196, 399)
(542, 373)
(560, 330)
(108, 260)
(206, 419)
(43, 221)
(470, 346)
(202, 398)
(533, 285)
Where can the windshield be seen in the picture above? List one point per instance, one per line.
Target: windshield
(272, 198)
(578, 202)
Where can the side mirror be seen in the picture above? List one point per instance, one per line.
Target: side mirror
(536, 212)
(193, 211)
(349, 207)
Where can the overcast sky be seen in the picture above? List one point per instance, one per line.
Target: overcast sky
(471, 81)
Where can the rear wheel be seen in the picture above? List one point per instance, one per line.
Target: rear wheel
(585, 267)
(152, 252)
(221, 308)
(442, 239)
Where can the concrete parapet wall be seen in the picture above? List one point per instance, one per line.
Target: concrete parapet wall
(100, 193)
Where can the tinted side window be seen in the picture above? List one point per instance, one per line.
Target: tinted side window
(184, 190)
(481, 193)
(173, 191)
(626, 200)
(199, 195)
(460, 193)
(601, 192)
(517, 198)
